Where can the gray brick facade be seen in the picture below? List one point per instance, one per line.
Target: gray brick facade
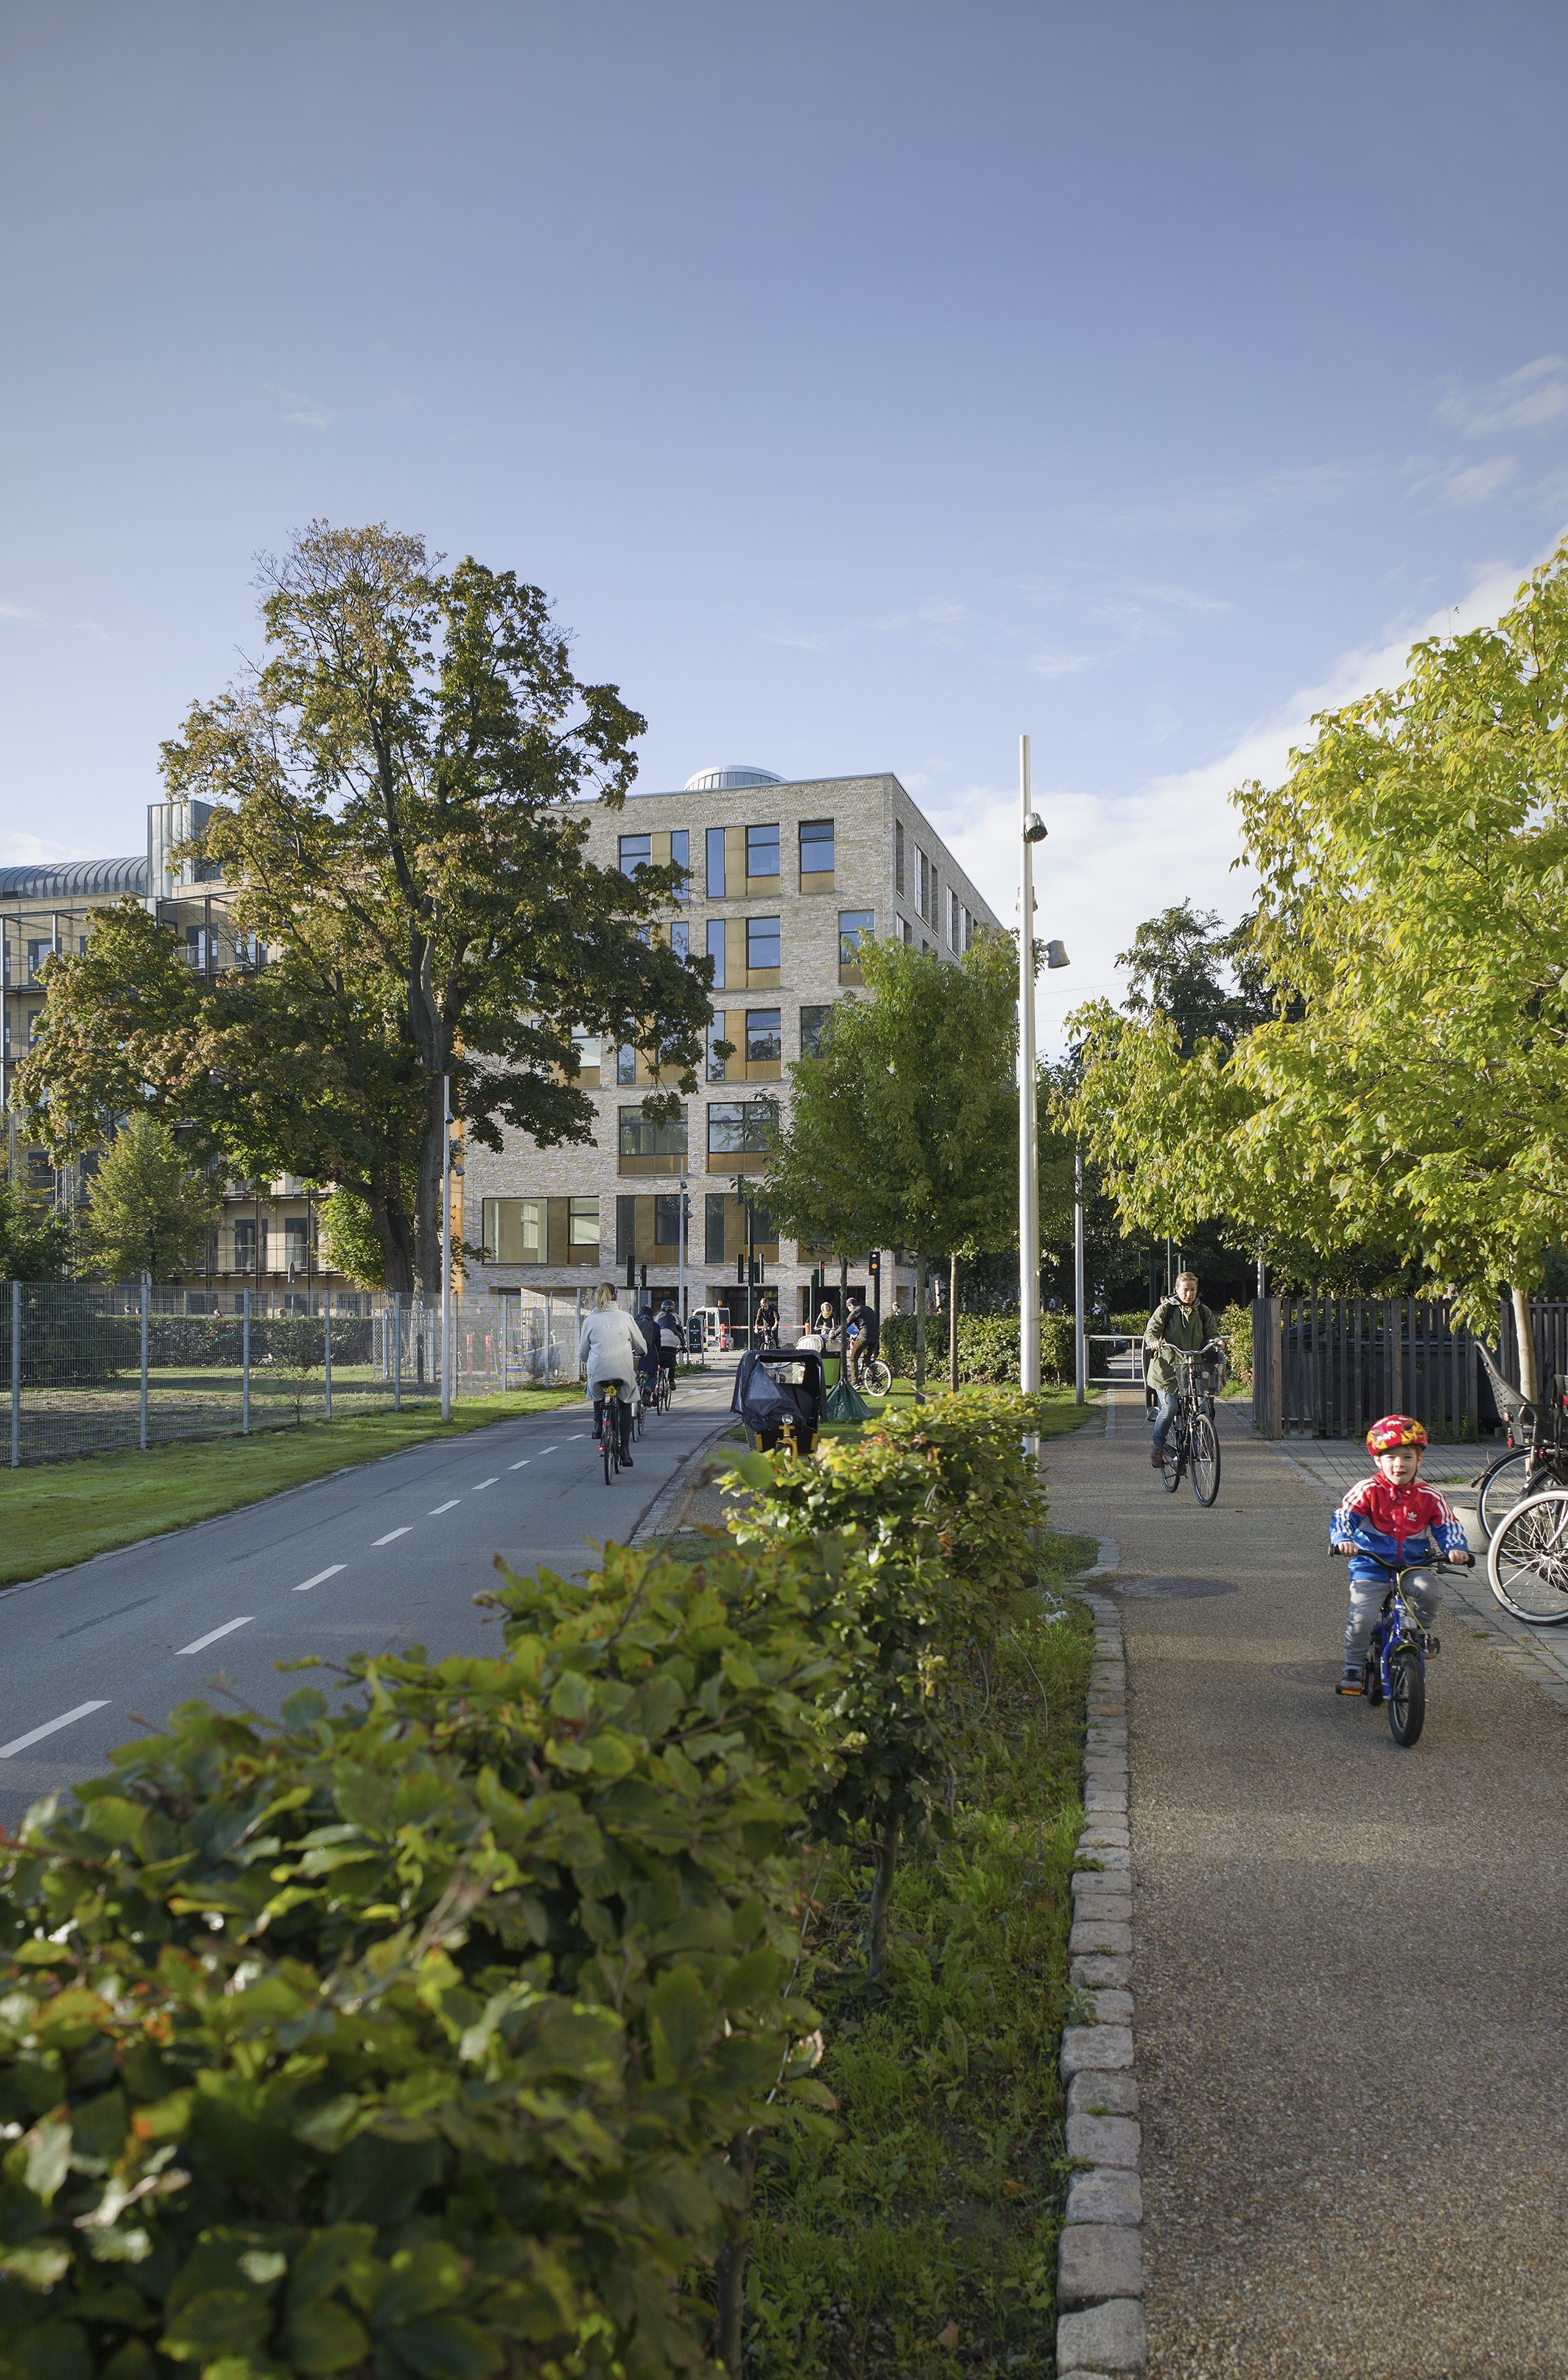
(530, 1207)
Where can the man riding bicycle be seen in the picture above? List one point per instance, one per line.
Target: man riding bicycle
(862, 1335)
(1179, 1325)
(669, 1332)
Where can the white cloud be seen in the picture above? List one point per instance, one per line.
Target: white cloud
(305, 411)
(21, 612)
(1468, 483)
(35, 851)
(1110, 862)
(1244, 503)
(1527, 399)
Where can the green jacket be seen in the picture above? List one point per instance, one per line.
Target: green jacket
(1186, 1328)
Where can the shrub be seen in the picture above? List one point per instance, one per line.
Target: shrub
(68, 1341)
(935, 1509)
(409, 2038)
(1236, 1326)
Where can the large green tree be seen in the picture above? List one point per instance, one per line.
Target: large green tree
(150, 1211)
(902, 1128)
(1413, 867)
(393, 789)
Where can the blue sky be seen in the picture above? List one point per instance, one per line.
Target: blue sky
(864, 383)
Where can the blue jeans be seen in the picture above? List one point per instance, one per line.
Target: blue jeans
(1165, 1413)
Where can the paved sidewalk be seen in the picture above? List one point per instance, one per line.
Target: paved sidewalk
(1351, 1962)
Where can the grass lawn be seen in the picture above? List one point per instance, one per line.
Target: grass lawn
(920, 2244)
(56, 1514)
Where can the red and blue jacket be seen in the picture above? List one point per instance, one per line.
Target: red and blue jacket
(1392, 1527)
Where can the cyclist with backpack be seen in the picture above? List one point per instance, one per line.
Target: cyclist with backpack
(1181, 1325)
(669, 1335)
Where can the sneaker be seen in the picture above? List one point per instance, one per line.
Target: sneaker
(626, 1463)
(1353, 1680)
(1157, 1457)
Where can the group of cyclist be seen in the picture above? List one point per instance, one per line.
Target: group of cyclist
(1386, 1522)
(617, 1347)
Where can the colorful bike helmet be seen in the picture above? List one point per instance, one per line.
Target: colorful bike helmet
(1394, 1430)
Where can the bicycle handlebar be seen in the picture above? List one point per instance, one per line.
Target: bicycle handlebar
(1439, 1562)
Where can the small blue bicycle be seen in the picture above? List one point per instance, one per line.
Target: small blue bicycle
(1395, 1671)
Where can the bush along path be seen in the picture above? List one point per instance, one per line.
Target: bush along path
(567, 2012)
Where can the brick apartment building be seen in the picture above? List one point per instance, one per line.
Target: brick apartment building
(787, 881)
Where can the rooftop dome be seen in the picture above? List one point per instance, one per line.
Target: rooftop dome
(720, 781)
(74, 878)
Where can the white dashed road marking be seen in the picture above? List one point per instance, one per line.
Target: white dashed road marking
(520, 1467)
(306, 1584)
(482, 1483)
(201, 1644)
(50, 1726)
(450, 1506)
(390, 1535)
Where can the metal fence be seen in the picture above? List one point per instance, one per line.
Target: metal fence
(89, 1369)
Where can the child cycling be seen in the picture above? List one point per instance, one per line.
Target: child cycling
(1385, 1522)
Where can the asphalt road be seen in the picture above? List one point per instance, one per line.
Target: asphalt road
(1350, 1962)
(367, 1561)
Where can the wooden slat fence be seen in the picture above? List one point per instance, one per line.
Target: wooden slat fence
(1550, 1317)
(1328, 1366)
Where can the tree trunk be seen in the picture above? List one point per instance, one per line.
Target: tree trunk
(1529, 1376)
(919, 1324)
(394, 1231)
(729, 2338)
(882, 1896)
(427, 1215)
(953, 1323)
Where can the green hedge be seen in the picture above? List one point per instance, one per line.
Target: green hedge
(203, 1341)
(431, 2036)
(988, 1347)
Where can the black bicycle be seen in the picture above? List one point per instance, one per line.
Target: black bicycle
(1536, 1456)
(1192, 1442)
(610, 1431)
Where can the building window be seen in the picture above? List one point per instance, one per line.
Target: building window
(724, 1233)
(906, 931)
(761, 854)
(897, 856)
(814, 1024)
(716, 950)
(582, 1230)
(589, 1054)
(713, 1207)
(717, 1043)
(680, 857)
(667, 1220)
(764, 1043)
(855, 927)
(626, 1063)
(246, 1236)
(762, 960)
(514, 1231)
(36, 954)
(715, 863)
(680, 938)
(295, 1245)
(817, 856)
(650, 1147)
(34, 1025)
(636, 851)
(741, 1134)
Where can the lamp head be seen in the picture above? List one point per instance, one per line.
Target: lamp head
(1035, 830)
(1056, 954)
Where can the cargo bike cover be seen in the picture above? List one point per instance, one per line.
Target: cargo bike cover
(780, 1392)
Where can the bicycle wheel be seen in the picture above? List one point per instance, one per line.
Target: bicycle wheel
(877, 1376)
(1204, 1458)
(1506, 1483)
(1408, 1697)
(1171, 1465)
(1528, 1559)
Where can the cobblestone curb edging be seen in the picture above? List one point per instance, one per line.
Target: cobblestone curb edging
(1099, 2325)
(667, 1511)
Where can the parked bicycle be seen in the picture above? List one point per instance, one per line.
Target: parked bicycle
(1527, 1559)
(1192, 1442)
(1536, 1456)
(1397, 1653)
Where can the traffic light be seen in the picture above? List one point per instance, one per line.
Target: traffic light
(645, 1276)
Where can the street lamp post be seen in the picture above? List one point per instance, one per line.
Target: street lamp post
(1031, 831)
(445, 1248)
(1080, 1344)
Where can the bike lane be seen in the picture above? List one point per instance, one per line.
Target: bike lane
(1349, 1960)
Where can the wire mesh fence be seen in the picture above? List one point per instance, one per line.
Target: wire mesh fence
(88, 1368)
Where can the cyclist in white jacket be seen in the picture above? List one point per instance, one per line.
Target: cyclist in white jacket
(610, 1346)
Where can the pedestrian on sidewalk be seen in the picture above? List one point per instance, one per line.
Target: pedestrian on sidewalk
(1179, 1325)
